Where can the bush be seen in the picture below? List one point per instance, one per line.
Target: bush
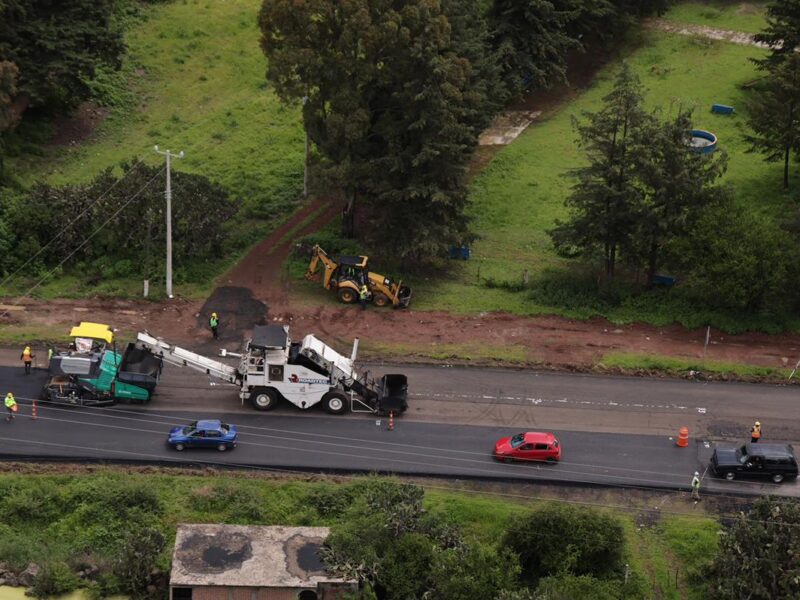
(53, 580)
(331, 241)
(566, 540)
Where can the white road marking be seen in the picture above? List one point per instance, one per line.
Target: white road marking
(541, 401)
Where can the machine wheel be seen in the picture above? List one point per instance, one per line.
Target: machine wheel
(179, 447)
(264, 398)
(335, 403)
(777, 478)
(347, 295)
(380, 300)
(730, 475)
(222, 447)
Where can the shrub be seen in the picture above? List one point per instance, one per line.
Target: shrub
(564, 539)
(54, 579)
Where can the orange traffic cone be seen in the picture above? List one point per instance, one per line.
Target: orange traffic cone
(33, 411)
(683, 437)
(391, 420)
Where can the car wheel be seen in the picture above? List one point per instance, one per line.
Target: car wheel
(777, 478)
(508, 460)
(179, 447)
(334, 402)
(222, 447)
(730, 475)
(551, 461)
(264, 398)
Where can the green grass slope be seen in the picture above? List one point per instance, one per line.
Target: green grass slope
(521, 193)
(193, 80)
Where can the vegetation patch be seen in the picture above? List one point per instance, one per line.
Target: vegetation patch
(679, 366)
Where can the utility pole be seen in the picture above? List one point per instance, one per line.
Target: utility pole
(168, 195)
(305, 163)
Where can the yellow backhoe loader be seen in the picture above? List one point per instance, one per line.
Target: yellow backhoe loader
(346, 277)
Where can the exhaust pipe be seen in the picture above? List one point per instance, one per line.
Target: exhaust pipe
(355, 350)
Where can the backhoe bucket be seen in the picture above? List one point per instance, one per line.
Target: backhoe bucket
(404, 296)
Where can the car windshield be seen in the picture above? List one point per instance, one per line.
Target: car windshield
(224, 427)
(517, 440)
(187, 430)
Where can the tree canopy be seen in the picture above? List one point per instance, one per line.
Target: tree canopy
(395, 95)
(759, 556)
(604, 199)
(57, 45)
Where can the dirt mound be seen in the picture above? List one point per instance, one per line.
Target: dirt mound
(238, 312)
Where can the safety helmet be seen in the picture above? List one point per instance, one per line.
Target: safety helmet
(27, 349)
(213, 314)
(758, 423)
(697, 473)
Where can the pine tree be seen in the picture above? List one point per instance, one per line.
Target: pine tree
(397, 93)
(774, 113)
(675, 185)
(782, 33)
(532, 42)
(604, 200)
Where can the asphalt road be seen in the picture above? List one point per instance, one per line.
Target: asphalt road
(288, 439)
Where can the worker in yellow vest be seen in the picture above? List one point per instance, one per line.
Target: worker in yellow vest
(27, 357)
(11, 406)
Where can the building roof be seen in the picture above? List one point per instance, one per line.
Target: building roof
(249, 555)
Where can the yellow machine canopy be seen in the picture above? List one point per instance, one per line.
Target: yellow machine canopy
(94, 331)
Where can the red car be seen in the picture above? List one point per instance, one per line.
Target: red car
(530, 446)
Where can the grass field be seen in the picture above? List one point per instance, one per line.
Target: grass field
(193, 80)
(521, 193)
(50, 517)
(196, 79)
(748, 17)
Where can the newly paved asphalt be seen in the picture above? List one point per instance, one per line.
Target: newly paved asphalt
(288, 439)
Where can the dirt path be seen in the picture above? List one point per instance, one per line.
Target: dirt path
(544, 341)
(725, 35)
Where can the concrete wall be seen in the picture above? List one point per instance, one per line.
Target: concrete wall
(326, 592)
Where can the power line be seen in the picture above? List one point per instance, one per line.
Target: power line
(68, 225)
(84, 242)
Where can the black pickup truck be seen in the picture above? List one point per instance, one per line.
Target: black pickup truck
(774, 461)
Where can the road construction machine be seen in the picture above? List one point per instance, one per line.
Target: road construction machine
(272, 368)
(92, 373)
(346, 276)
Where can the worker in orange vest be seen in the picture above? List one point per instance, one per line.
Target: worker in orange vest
(755, 433)
(27, 357)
